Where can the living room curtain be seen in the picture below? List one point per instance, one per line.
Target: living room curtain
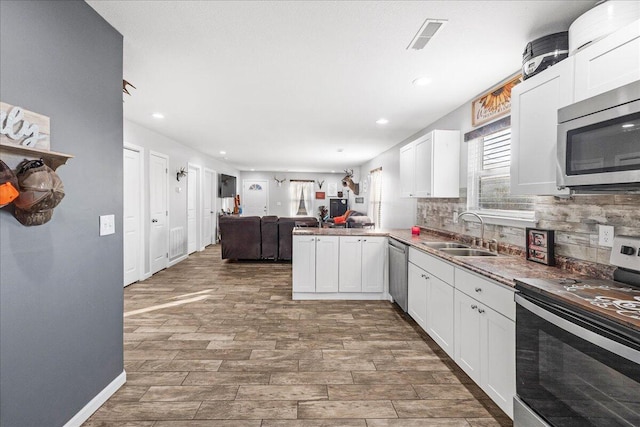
(300, 196)
(375, 196)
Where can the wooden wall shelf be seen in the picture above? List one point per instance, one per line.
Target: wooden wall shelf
(13, 154)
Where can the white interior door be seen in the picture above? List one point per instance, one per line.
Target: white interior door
(193, 200)
(132, 215)
(159, 211)
(255, 194)
(208, 207)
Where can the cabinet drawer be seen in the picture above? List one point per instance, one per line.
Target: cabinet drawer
(486, 292)
(441, 269)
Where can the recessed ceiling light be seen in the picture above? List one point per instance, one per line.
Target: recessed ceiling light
(382, 121)
(333, 171)
(628, 125)
(157, 116)
(223, 153)
(421, 81)
(340, 150)
(252, 169)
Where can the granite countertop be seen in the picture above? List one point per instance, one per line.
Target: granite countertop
(502, 268)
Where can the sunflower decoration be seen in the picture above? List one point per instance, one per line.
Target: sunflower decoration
(493, 100)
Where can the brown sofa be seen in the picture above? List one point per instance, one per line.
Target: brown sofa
(253, 238)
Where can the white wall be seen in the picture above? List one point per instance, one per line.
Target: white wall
(279, 196)
(399, 212)
(179, 156)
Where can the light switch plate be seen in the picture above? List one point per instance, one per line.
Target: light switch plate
(605, 235)
(107, 225)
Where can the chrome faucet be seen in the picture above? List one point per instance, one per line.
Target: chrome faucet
(481, 224)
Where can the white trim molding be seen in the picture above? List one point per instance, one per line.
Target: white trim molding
(95, 403)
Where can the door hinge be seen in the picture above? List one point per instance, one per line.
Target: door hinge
(166, 213)
(167, 254)
(166, 170)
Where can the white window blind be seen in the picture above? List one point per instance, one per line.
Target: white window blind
(489, 182)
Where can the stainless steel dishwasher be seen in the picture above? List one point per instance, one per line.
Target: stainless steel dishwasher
(398, 275)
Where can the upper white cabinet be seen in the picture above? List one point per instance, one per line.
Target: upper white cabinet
(534, 119)
(429, 166)
(609, 63)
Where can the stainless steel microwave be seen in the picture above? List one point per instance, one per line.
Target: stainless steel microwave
(599, 142)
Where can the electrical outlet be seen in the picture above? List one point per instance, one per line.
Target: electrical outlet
(455, 217)
(605, 235)
(107, 225)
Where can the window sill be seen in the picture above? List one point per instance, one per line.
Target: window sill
(508, 221)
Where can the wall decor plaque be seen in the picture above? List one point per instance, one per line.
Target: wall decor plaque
(495, 103)
(540, 244)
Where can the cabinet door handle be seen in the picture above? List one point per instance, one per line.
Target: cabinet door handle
(154, 220)
(478, 289)
(481, 310)
(473, 306)
(313, 239)
(364, 240)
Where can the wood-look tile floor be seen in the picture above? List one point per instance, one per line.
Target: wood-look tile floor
(221, 344)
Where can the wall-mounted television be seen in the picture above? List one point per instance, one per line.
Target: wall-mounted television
(226, 185)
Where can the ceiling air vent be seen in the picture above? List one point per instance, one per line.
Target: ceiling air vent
(426, 33)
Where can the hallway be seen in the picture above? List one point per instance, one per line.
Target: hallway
(214, 343)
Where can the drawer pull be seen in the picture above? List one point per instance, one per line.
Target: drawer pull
(424, 276)
(481, 310)
(473, 307)
(478, 289)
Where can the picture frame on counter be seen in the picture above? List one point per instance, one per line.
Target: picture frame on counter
(540, 246)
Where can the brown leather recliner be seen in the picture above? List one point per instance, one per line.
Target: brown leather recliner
(285, 236)
(240, 237)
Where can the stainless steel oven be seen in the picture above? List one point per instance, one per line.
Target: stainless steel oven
(578, 349)
(599, 142)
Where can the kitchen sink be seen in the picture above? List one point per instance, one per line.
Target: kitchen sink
(444, 245)
(467, 252)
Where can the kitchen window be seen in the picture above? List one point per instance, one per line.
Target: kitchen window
(489, 181)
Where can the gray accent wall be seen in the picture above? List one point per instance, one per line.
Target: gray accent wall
(61, 295)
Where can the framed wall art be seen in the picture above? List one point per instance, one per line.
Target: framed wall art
(320, 195)
(495, 103)
(540, 245)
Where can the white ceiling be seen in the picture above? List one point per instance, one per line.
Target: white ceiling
(285, 85)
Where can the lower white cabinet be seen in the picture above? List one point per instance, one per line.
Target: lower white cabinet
(440, 313)
(315, 263)
(417, 295)
(485, 349)
(339, 267)
(327, 261)
(430, 295)
(362, 261)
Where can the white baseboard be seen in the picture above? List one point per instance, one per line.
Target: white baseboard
(177, 260)
(95, 403)
(362, 296)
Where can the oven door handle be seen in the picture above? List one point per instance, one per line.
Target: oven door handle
(587, 335)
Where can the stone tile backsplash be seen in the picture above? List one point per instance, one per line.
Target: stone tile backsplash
(575, 220)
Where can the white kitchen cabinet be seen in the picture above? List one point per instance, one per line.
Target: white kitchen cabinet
(534, 120)
(431, 297)
(327, 261)
(467, 333)
(374, 259)
(362, 261)
(485, 336)
(304, 263)
(417, 295)
(440, 313)
(498, 354)
(609, 63)
(315, 263)
(429, 166)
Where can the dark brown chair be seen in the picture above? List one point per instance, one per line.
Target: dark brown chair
(269, 231)
(285, 233)
(240, 237)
